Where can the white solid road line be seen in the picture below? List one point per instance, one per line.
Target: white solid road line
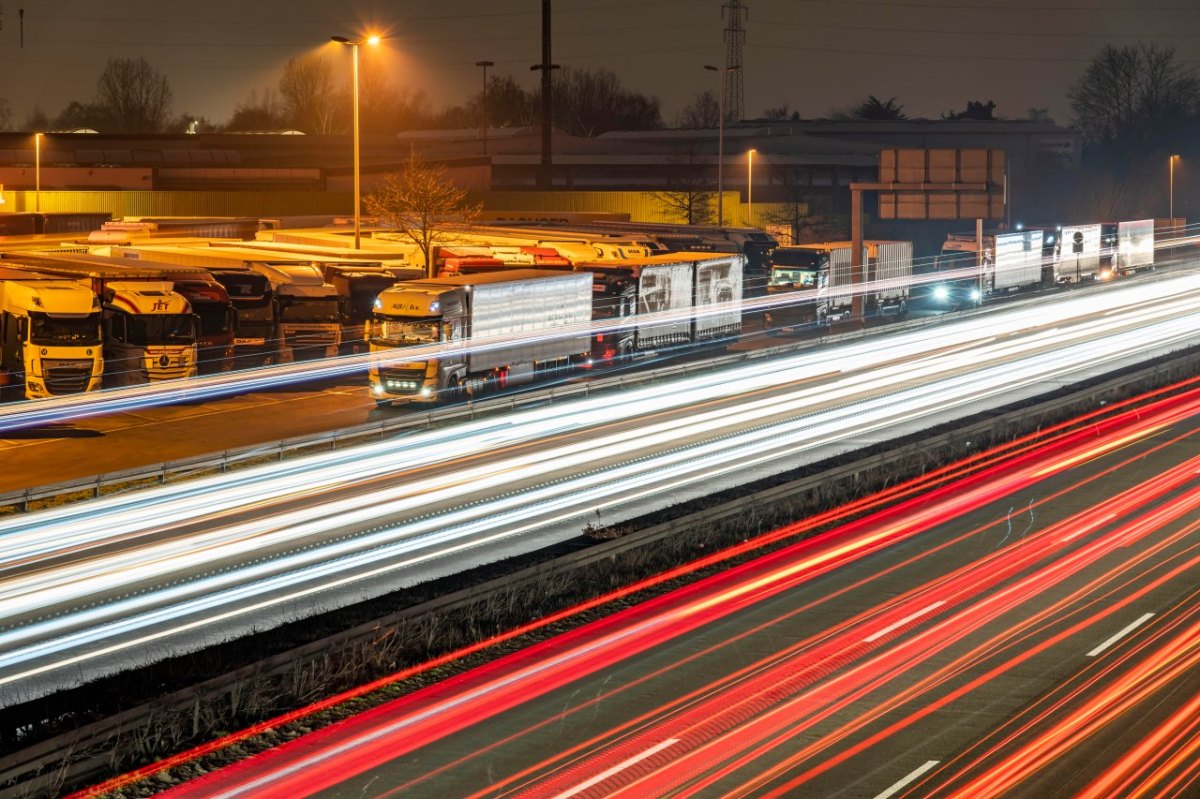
(899, 786)
(1145, 617)
(617, 769)
(902, 622)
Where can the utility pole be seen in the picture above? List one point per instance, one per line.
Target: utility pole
(483, 125)
(734, 14)
(546, 171)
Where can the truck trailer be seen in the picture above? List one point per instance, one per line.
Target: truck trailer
(499, 329)
(825, 270)
(50, 336)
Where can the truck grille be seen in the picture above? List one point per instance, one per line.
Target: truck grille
(402, 381)
(310, 343)
(67, 377)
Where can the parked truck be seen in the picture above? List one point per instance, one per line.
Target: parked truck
(826, 271)
(665, 301)
(357, 279)
(499, 329)
(306, 309)
(1012, 261)
(657, 302)
(150, 331)
(206, 296)
(50, 336)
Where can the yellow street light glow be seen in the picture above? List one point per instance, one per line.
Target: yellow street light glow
(373, 40)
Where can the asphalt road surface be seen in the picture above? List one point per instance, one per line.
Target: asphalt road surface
(1031, 629)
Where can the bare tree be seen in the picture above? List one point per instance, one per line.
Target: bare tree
(591, 102)
(36, 119)
(704, 111)
(1134, 100)
(80, 116)
(797, 218)
(690, 194)
(254, 114)
(134, 96)
(424, 205)
(307, 90)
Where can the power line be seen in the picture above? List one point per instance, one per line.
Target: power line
(943, 32)
(950, 56)
(999, 7)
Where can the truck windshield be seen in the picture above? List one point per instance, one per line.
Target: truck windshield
(161, 329)
(308, 309)
(49, 330)
(215, 318)
(791, 276)
(401, 332)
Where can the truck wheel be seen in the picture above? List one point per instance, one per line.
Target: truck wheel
(381, 404)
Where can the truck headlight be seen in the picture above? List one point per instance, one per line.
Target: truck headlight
(425, 392)
(975, 295)
(941, 293)
(377, 389)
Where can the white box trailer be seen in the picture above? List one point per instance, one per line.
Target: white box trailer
(1018, 260)
(887, 265)
(1135, 246)
(1078, 254)
(718, 281)
(664, 289)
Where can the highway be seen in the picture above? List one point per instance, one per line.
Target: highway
(107, 584)
(79, 437)
(1029, 629)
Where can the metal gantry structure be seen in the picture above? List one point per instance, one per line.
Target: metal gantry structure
(734, 14)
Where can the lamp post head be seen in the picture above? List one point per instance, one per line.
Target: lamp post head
(372, 40)
(711, 68)
(485, 63)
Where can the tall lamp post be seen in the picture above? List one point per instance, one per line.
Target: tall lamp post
(721, 73)
(1171, 168)
(37, 172)
(750, 186)
(353, 45)
(483, 125)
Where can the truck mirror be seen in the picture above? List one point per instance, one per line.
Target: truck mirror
(22, 328)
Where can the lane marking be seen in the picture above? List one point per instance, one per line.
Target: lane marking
(1123, 632)
(1092, 525)
(902, 622)
(902, 784)
(617, 769)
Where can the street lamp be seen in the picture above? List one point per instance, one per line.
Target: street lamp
(721, 73)
(1171, 166)
(37, 172)
(483, 126)
(353, 45)
(750, 186)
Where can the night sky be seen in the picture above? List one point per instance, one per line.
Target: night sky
(811, 54)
